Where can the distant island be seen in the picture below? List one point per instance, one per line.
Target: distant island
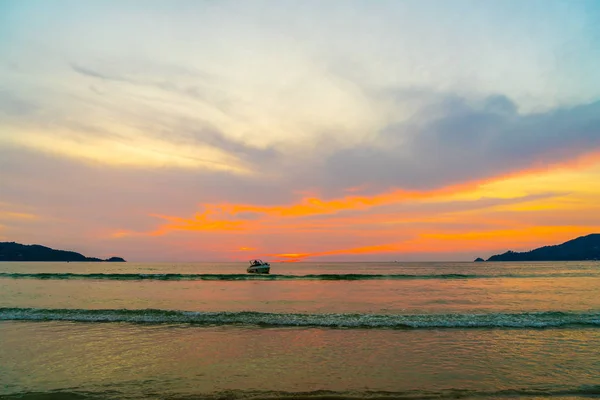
(11, 251)
(584, 248)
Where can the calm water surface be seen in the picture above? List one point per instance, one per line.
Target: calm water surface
(351, 330)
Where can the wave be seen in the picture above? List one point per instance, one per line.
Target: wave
(273, 277)
(529, 320)
(584, 391)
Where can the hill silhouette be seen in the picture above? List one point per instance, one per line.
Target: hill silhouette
(580, 249)
(12, 251)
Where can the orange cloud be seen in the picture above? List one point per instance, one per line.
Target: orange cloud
(7, 212)
(17, 215)
(246, 249)
(482, 241)
(222, 216)
(438, 227)
(201, 222)
(357, 250)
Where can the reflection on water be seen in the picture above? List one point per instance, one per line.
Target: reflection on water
(184, 360)
(120, 360)
(307, 268)
(380, 297)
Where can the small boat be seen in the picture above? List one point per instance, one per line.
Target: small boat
(258, 267)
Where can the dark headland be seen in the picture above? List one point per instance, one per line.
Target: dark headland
(584, 248)
(11, 251)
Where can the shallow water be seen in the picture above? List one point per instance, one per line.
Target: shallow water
(352, 330)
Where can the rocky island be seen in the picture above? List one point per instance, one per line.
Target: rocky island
(584, 248)
(11, 251)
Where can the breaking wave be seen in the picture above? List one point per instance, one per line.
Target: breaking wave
(530, 320)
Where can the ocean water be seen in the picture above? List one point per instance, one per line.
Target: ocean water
(307, 331)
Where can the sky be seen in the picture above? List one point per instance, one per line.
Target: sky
(308, 130)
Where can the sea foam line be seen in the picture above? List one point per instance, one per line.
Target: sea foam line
(272, 277)
(532, 320)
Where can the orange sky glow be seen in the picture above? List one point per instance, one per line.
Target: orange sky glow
(519, 219)
(358, 131)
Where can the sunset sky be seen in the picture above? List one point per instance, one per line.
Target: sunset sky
(299, 130)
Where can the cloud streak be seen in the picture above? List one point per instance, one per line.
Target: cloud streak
(454, 141)
(300, 130)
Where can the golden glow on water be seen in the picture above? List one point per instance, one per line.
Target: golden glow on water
(192, 361)
(410, 296)
(182, 358)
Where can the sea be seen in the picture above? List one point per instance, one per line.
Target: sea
(319, 331)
